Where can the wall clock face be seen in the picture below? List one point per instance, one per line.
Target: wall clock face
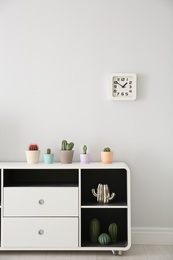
(123, 86)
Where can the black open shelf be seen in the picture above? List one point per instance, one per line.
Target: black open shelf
(40, 177)
(106, 217)
(115, 178)
(0, 186)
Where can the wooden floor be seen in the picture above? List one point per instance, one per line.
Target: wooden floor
(137, 252)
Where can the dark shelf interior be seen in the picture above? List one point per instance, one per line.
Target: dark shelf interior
(106, 217)
(0, 187)
(95, 204)
(40, 177)
(115, 178)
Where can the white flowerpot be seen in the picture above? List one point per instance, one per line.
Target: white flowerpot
(32, 157)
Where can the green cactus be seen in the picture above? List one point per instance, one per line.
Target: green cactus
(63, 145)
(69, 146)
(106, 149)
(84, 149)
(48, 151)
(66, 146)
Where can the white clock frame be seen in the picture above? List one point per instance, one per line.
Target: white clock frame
(131, 76)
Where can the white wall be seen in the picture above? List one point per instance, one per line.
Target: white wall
(55, 61)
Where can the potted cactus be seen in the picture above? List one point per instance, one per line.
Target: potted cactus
(107, 155)
(32, 154)
(48, 157)
(66, 152)
(84, 157)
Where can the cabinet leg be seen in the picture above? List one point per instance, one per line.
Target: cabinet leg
(117, 252)
(113, 252)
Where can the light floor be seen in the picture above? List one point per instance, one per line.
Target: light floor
(137, 252)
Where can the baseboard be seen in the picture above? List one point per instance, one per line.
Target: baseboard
(152, 236)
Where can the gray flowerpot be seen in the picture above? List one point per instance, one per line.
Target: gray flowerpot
(66, 156)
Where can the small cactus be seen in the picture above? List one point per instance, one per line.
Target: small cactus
(66, 146)
(106, 149)
(33, 147)
(48, 151)
(84, 149)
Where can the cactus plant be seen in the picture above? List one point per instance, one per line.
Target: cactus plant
(32, 154)
(104, 239)
(66, 152)
(66, 146)
(48, 156)
(48, 151)
(103, 193)
(94, 229)
(33, 147)
(84, 156)
(112, 230)
(106, 149)
(107, 155)
(84, 149)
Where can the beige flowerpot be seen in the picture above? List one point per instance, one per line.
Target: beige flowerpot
(107, 157)
(66, 156)
(32, 157)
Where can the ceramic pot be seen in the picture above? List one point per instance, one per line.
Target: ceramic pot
(66, 156)
(84, 158)
(32, 157)
(107, 157)
(48, 158)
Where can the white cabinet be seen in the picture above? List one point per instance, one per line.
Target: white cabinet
(50, 207)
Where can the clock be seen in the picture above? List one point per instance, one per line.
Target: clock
(123, 86)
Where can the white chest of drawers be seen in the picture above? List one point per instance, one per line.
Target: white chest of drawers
(50, 207)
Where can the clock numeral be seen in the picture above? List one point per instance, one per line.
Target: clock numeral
(130, 90)
(127, 93)
(130, 86)
(130, 82)
(122, 79)
(122, 94)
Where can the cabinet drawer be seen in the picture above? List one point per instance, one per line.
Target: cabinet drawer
(40, 232)
(41, 201)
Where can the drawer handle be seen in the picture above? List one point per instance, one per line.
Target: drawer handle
(41, 232)
(41, 202)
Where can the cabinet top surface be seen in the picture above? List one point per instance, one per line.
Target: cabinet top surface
(56, 165)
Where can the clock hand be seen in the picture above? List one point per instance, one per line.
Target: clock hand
(119, 84)
(124, 85)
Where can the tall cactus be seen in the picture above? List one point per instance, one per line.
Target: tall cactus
(84, 149)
